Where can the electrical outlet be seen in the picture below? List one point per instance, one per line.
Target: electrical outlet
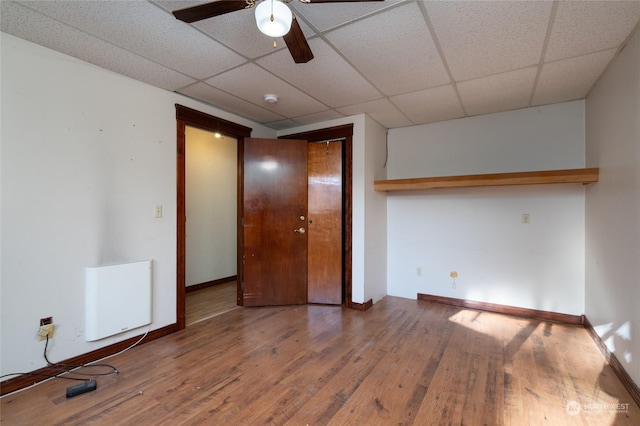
(46, 328)
(526, 219)
(419, 271)
(453, 275)
(46, 331)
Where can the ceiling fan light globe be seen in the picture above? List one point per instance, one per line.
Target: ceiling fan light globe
(281, 23)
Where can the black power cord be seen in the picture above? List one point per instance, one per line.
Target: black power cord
(68, 368)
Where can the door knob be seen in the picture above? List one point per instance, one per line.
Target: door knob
(299, 230)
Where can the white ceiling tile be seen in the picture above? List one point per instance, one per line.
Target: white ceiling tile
(45, 31)
(324, 16)
(220, 99)
(327, 77)
(428, 106)
(482, 38)
(143, 28)
(373, 46)
(570, 79)
(381, 110)
(178, 4)
(282, 124)
(251, 83)
(582, 27)
(171, 5)
(318, 117)
(499, 92)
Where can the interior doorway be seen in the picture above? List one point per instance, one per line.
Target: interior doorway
(343, 134)
(211, 222)
(189, 117)
(296, 214)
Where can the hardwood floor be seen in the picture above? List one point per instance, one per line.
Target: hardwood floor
(208, 302)
(402, 362)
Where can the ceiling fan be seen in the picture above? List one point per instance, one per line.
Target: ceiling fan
(273, 18)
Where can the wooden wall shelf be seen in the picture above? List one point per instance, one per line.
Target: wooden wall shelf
(583, 176)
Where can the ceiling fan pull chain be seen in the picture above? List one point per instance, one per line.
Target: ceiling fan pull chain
(275, 45)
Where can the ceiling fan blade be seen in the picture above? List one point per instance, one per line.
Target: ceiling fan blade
(209, 10)
(297, 44)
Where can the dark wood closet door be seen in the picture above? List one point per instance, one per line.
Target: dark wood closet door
(274, 223)
(324, 278)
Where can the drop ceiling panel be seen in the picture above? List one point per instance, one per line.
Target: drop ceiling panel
(325, 16)
(282, 124)
(317, 117)
(570, 78)
(499, 92)
(428, 106)
(483, 38)
(41, 29)
(586, 27)
(372, 46)
(251, 83)
(143, 28)
(231, 103)
(381, 110)
(328, 77)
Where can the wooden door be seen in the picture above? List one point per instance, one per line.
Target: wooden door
(324, 279)
(273, 222)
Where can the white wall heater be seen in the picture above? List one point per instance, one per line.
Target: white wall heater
(117, 299)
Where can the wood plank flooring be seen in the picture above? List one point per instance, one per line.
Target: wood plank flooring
(402, 362)
(208, 302)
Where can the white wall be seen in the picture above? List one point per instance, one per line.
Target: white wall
(478, 232)
(211, 206)
(613, 208)
(369, 227)
(86, 156)
(375, 236)
(541, 138)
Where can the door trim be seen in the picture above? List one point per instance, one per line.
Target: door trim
(344, 132)
(186, 116)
